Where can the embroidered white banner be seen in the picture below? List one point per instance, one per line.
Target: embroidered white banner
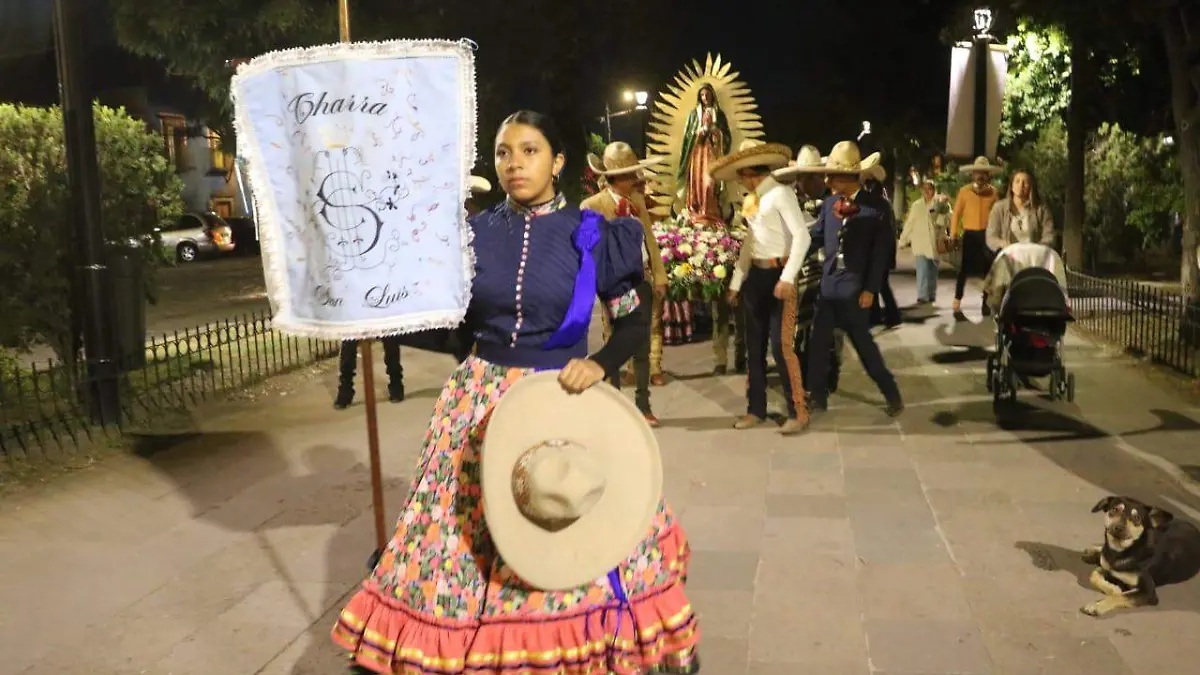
(359, 157)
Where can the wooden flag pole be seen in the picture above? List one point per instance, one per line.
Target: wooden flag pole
(368, 368)
(344, 20)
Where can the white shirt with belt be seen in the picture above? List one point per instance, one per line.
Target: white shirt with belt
(780, 229)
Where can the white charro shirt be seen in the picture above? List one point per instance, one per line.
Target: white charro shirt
(780, 229)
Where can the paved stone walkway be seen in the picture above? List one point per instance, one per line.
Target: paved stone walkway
(934, 544)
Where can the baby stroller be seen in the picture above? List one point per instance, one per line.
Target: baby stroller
(1030, 326)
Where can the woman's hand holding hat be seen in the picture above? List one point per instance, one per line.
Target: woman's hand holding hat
(580, 374)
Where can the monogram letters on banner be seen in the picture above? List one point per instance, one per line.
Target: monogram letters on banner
(359, 158)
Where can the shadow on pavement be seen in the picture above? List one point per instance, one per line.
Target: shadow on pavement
(243, 482)
(959, 356)
(966, 334)
(1053, 558)
(719, 423)
(1091, 453)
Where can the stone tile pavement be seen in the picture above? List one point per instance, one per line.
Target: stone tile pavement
(941, 542)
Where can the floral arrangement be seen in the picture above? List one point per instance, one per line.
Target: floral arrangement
(591, 181)
(699, 260)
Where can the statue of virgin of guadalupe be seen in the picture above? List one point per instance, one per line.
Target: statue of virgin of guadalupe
(706, 138)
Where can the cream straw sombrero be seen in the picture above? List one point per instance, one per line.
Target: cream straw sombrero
(619, 158)
(845, 158)
(750, 153)
(808, 160)
(571, 482)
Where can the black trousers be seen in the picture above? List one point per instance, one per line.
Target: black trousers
(976, 260)
(765, 317)
(348, 364)
(641, 358)
(855, 322)
(804, 342)
(885, 310)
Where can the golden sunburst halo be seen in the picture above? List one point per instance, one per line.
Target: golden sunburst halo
(671, 110)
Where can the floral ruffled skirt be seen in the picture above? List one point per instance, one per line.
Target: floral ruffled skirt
(441, 600)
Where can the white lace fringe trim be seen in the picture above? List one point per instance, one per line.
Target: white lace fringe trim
(269, 225)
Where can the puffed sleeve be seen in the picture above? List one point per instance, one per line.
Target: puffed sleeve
(619, 272)
(619, 265)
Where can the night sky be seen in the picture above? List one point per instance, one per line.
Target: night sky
(817, 69)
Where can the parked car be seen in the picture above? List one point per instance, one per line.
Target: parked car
(245, 235)
(197, 234)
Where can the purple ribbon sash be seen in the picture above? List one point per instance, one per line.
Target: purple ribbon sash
(579, 314)
(622, 608)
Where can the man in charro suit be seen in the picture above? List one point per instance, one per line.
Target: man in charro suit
(621, 171)
(806, 175)
(764, 279)
(854, 229)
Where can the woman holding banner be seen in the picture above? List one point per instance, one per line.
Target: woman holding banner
(440, 598)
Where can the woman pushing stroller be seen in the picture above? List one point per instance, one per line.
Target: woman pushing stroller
(1021, 234)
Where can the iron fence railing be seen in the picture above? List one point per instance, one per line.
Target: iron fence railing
(1144, 321)
(45, 407)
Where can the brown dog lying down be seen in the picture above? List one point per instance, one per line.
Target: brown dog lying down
(1144, 548)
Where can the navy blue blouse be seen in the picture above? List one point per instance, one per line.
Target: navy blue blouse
(526, 264)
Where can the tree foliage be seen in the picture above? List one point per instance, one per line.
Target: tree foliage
(1038, 87)
(531, 54)
(1133, 188)
(216, 31)
(139, 192)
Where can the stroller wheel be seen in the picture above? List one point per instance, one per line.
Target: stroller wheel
(1012, 386)
(991, 374)
(1071, 388)
(1056, 385)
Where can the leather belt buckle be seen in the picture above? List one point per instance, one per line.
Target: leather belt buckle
(770, 263)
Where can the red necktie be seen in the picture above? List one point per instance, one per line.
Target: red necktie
(626, 209)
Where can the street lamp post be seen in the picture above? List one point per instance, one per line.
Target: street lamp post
(982, 20)
(639, 99)
(83, 177)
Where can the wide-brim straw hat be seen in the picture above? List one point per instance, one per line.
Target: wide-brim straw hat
(479, 184)
(876, 172)
(566, 497)
(981, 164)
(846, 159)
(751, 153)
(808, 161)
(620, 159)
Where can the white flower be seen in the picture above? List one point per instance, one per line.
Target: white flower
(685, 248)
(719, 271)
